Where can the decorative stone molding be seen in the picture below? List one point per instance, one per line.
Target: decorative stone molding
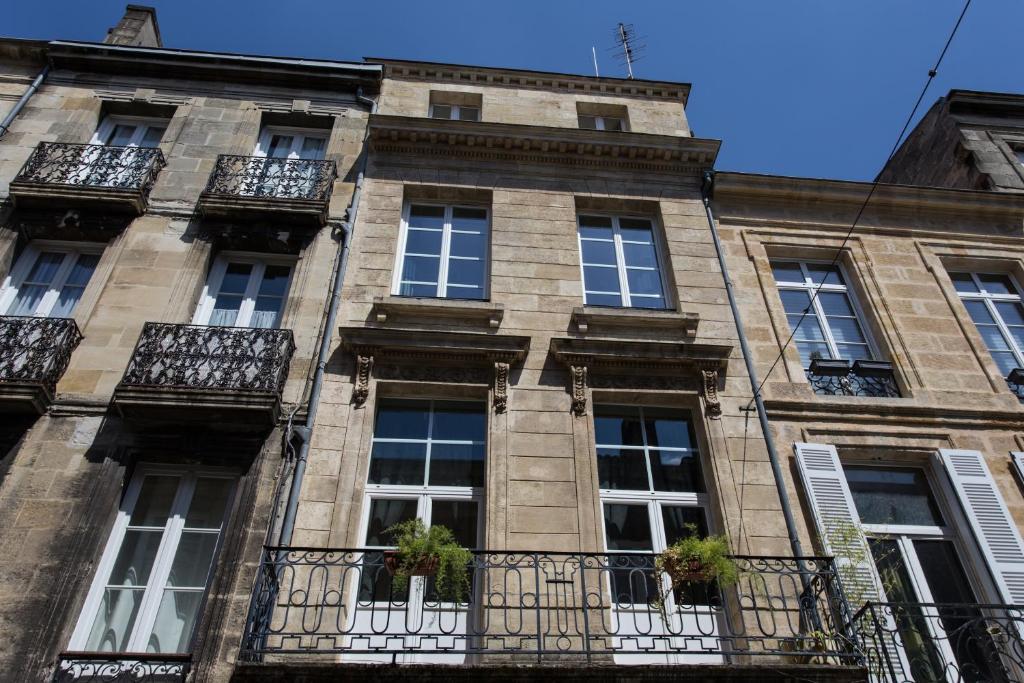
(500, 386)
(578, 373)
(710, 390)
(634, 322)
(443, 374)
(364, 367)
(391, 309)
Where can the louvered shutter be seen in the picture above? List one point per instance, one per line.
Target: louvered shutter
(994, 529)
(837, 521)
(1018, 463)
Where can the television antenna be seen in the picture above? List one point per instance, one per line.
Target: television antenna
(628, 48)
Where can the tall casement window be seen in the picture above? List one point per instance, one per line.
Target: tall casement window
(832, 328)
(244, 292)
(152, 577)
(130, 131)
(48, 280)
(443, 252)
(620, 261)
(993, 300)
(288, 170)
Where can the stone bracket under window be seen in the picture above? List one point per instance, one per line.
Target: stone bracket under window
(634, 321)
(436, 357)
(399, 309)
(661, 366)
(870, 378)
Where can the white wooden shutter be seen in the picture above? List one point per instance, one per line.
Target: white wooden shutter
(837, 521)
(990, 520)
(1018, 464)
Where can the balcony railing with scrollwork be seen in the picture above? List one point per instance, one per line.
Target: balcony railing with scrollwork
(121, 667)
(955, 643)
(541, 607)
(36, 350)
(865, 378)
(100, 166)
(273, 178)
(170, 356)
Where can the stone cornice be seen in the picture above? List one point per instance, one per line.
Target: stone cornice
(426, 345)
(891, 411)
(740, 188)
(540, 144)
(627, 354)
(543, 80)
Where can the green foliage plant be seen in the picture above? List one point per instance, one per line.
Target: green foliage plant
(422, 550)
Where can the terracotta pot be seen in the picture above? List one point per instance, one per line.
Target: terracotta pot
(426, 567)
(690, 570)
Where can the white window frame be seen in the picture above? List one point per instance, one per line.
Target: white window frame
(990, 300)
(810, 288)
(620, 261)
(211, 289)
(16, 279)
(456, 111)
(445, 257)
(164, 556)
(601, 122)
(299, 136)
(142, 124)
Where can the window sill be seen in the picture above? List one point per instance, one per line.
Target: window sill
(388, 309)
(585, 318)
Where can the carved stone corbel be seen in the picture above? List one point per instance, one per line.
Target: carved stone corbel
(364, 367)
(501, 369)
(578, 375)
(710, 391)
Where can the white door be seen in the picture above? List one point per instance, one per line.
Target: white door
(48, 280)
(284, 173)
(113, 164)
(244, 292)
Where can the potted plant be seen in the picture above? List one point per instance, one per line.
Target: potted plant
(433, 551)
(693, 559)
(801, 647)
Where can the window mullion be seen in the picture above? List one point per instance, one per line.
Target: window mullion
(252, 288)
(819, 312)
(1005, 331)
(442, 267)
(647, 451)
(430, 441)
(53, 287)
(620, 263)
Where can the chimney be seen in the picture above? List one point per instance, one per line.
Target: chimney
(137, 28)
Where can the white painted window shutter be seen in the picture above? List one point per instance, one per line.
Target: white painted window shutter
(994, 529)
(1018, 464)
(837, 521)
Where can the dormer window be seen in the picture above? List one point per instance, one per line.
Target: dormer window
(600, 116)
(601, 123)
(455, 106)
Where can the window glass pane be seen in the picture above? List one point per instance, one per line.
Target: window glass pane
(836, 304)
(635, 230)
(44, 270)
(587, 122)
(206, 509)
(66, 302)
(963, 282)
(27, 300)
(639, 301)
(996, 284)
(456, 464)
(824, 272)
(152, 136)
(643, 281)
(944, 573)
(280, 146)
(236, 278)
(154, 502)
(627, 527)
(135, 558)
(80, 273)
(600, 279)
(681, 522)
(275, 280)
(464, 292)
(617, 426)
(114, 620)
(1006, 361)
(846, 330)
(469, 114)
(787, 271)
(813, 351)
(313, 148)
(853, 352)
(398, 463)
(640, 255)
(676, 471)
(595, 223)
(468, 218)
(978, 312)
(891, 495)
(423, 241)
(423, 216)
(121, 135)
(193, 559)
(225, 310)
(175, 619)
(622, 469)
(807, 327)
(592, 299)
(794, 301)
(457, 421)
(408, 289)
(1012, 313)
(612, 123)
(468, 244)
(458, 515)
(441, 111)
(265, 312)
(465, 272)
(666, 428)
(994, 339)
(598, 251)
(421, 268)
(385, 513)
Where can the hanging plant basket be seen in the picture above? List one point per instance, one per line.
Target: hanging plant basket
(425, 567)
(690, 570)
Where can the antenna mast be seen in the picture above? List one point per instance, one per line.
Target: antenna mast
(627, 47)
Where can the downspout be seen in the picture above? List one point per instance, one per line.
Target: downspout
(20, 104)
(305, 433)
(707, 189)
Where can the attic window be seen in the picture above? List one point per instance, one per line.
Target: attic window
(599, 116)
(455, 106)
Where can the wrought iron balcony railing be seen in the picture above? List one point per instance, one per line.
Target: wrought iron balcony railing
(274, 178)
(170, 356)
(36, 350)
(1015, 380)
(100, 166)
(539, 607)
(954, 643)
(121, 667)
(865, 378)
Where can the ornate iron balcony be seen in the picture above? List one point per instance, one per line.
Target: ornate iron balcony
(207, 371)
(1015, 380)
(34, 353)
(121, 667)
(872, 378)
(545, 607)
(958, 643)
(118, 176)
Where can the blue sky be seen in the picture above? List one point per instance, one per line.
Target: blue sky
(795, 87)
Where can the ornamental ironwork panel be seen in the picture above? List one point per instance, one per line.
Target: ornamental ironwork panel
(852, 384)
(271, 177)
(954, 643)
(121, 667)
(208, 357)
(36, 349)
(1015, 380)
(545, 607)
(61, 163)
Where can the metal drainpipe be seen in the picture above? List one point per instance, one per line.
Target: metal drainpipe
(305, 433)
(20, 104)
(762, 416)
